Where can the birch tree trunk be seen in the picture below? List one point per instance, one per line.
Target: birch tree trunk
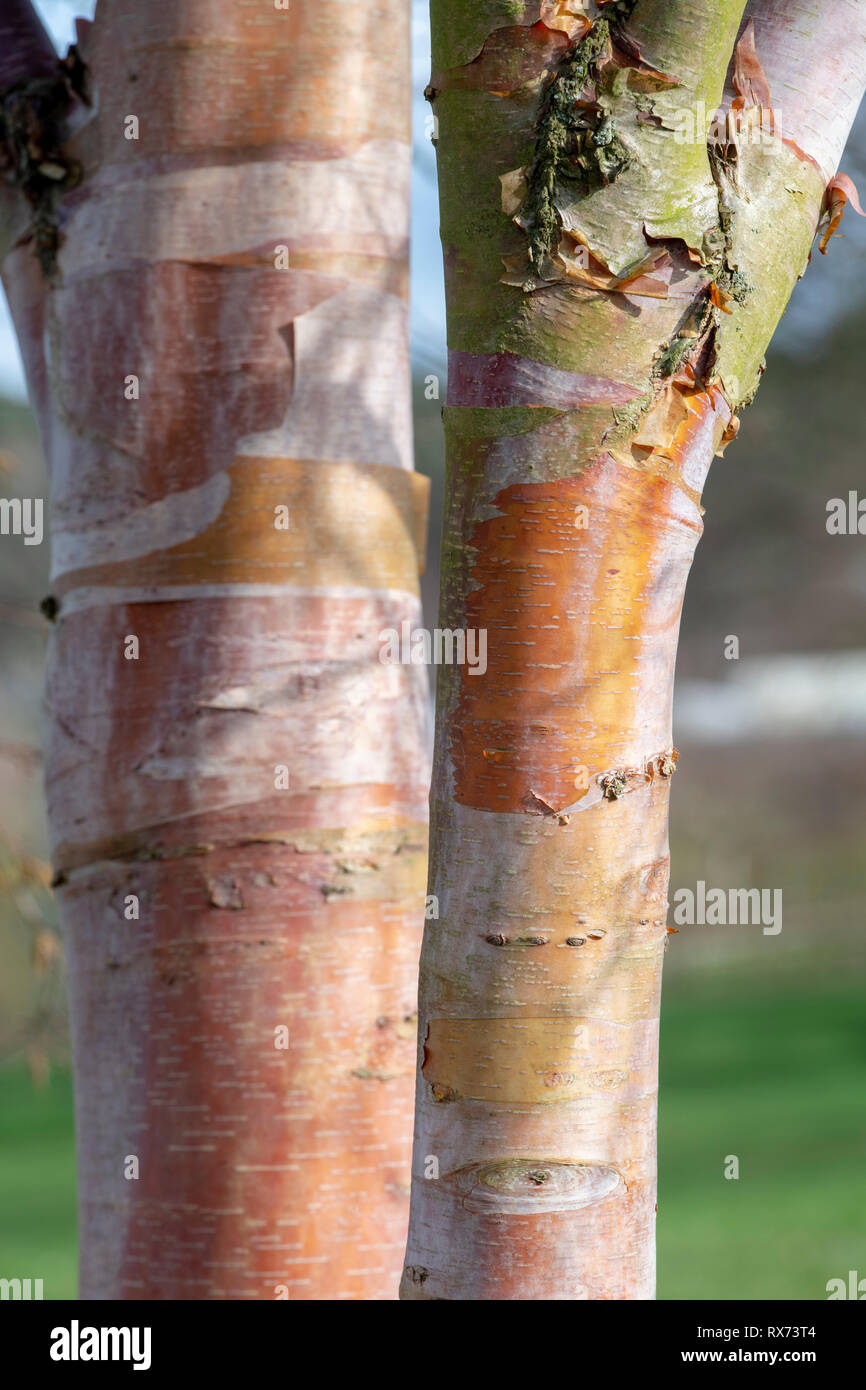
(615, 267)
(216, 346)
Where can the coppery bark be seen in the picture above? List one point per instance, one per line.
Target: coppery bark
(189, 387)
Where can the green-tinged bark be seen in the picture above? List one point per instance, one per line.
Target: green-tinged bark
(612, 286)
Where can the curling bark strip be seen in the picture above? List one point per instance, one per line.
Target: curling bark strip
(611, 290)
(264, 1171)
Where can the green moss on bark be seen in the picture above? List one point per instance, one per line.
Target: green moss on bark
(572, 142)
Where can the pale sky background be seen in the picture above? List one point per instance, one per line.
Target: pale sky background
(834, 285)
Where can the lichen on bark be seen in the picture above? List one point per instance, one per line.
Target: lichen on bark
(575, 140)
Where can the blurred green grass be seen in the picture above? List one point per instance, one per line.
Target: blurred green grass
(774, 1078)
(37, 1181)
(777, 1080)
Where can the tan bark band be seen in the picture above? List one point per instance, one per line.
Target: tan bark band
(537, 1060)
(289, 521)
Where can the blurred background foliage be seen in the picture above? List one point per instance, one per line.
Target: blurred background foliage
(763, 1037)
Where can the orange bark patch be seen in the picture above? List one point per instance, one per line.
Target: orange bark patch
(568, 15)
(840, 192)
(683, 419)
(579, 619)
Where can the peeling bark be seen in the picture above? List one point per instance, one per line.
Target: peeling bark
(264, 1171)
(578, 445)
